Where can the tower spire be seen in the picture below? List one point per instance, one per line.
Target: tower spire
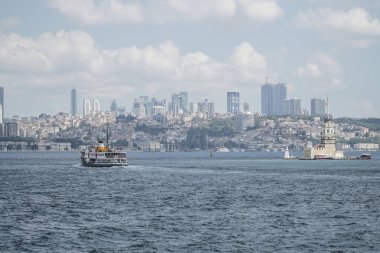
(327, 105)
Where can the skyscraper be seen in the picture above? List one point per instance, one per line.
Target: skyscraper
(2, 105)
(317, 107)
(86, 107)
(113, 107)
(184, 103)
(96, 106)
(74, 108)
(292, 107)
(233, 102)
(272, 96)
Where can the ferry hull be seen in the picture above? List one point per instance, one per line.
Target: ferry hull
(86, 164)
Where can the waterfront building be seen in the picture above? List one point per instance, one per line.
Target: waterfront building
(291, 107)
(2, 105)
(10, 129)
(366, 146)
(272, 96)
(317, 107)
(73, 109)
(233, 102)
(86, 107)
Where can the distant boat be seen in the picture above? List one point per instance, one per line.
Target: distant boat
(365, 156)
(223, 150)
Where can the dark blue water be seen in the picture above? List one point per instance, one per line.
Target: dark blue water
(188, 202)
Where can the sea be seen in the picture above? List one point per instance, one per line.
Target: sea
(188, 202)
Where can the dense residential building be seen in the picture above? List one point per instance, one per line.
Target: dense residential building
(233, 102)
(1, 105)
(292, 107)
(74, 107)
(272, 96)
(317, 107)
(86, 107)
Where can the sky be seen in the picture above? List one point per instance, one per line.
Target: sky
(124, 49)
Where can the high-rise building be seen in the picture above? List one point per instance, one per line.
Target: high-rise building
(10, 129)
(73, 109)
(86, 107)
(113, 107)
(2, 105)
(179, 103)
(184, 101)
(95, 106)
(292, 107)
(272, 96)
(233, 102)
(193, 108)
(317, 107)
(1, 114)
(138, 109)
(206, 108)
(245, 107)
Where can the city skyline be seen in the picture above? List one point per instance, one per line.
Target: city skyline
(119, 49)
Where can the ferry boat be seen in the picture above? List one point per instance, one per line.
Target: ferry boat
(101, 155)
(365, 156)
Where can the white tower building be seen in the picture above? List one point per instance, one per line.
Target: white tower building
(86, 107)
(95, 106)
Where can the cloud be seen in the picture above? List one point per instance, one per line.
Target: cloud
(72, 58)
(262, 10)
(356, 21)
(321, 70)
(9, 22)
(92, 12)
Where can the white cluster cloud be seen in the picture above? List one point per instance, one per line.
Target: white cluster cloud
(322, 70)
(357, 21)
(63, 58)
(92, 12)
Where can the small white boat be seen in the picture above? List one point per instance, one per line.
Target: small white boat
(224, 150)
